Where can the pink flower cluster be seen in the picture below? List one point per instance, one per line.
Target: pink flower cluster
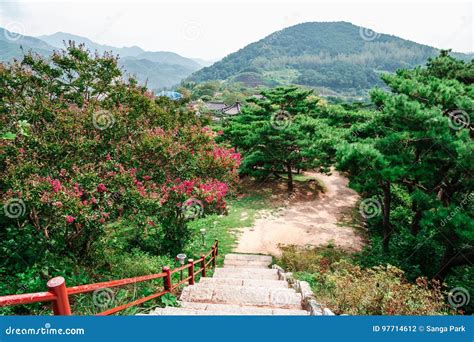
(56, 184)
(214, 190)
(101, 188)
(185, 187)
(224, 153)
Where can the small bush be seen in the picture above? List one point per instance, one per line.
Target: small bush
(347, 288)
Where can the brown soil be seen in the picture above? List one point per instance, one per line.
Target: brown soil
(309, 218)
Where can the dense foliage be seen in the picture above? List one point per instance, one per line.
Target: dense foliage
(346, 288)
(409, 154)
(84, 156)
(337, 58)
(276, 133)
(412, 161)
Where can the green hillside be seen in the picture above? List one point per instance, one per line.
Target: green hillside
(336, 57)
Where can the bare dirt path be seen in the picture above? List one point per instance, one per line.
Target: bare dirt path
(315, 222)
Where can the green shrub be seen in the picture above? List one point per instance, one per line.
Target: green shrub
(347, 288)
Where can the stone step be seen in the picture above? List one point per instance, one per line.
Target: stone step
(246, 273)
(245, 263)
(249, 257)
(243, 282)
(243, 295)
(225, 310)
(231, 307)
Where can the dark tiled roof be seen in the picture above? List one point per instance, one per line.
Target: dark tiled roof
(232, 109)
(215, 105)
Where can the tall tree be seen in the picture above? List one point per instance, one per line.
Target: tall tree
(276, 133)
(421, 131)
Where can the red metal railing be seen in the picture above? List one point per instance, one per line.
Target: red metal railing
(59, 294)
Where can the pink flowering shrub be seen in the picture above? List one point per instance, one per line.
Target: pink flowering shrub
(81, 158)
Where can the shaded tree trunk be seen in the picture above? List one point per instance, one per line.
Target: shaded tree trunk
(290, 178)
(387, 229)
(415, 224)
(451, 259)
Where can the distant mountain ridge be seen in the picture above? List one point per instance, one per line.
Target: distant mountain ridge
(160, 69)
(337, 58)
(57, 40)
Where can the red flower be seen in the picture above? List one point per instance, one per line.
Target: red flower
(101, 188)
(58, 204)
(70, 219)
(56, 184)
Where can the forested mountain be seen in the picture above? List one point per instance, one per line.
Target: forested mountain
(13, 45)
(57, 40)
(336, 57)
(157, 69)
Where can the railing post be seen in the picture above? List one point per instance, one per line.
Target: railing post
(213, 257)
(61, 305)
(191, 271)
(167, 278)
(203, 265)
(217, 247)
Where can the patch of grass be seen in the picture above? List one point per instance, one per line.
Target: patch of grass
(242, 212)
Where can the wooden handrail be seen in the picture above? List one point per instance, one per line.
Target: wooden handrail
(113, 283)
(180, 283)
(59, 293)
(134, 303)
(183, 267)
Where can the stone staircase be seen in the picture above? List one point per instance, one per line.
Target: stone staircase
(244, 286)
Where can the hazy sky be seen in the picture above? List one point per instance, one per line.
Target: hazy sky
(212, 29)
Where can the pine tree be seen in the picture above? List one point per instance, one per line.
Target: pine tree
(276, 133)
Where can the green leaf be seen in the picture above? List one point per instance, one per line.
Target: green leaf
(9, 136)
